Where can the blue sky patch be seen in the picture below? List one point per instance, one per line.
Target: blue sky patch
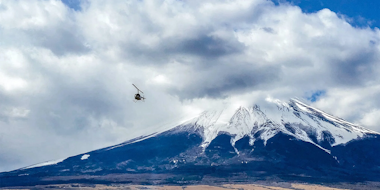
(73, 4)
(316, 95)
(362, 13)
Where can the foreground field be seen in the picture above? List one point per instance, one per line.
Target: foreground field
(277, 186)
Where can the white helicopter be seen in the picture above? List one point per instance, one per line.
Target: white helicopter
(138, 96)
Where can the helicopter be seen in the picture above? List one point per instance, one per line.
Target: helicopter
(138, 96)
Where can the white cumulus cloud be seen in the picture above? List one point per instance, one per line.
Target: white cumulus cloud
(66, 75)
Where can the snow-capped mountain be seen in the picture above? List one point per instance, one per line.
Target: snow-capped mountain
(294, 119)
(281, 140)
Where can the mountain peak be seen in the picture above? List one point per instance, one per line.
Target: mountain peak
(293, 118)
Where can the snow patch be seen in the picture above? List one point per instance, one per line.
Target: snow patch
(85, 157)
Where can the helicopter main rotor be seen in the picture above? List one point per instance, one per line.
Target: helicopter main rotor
(138, 90)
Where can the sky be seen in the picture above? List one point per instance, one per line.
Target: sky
(67, 67)
(359, 13)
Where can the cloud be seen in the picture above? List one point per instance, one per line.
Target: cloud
(371, 119)
(66, 72)
(46, 24)
(355, 104)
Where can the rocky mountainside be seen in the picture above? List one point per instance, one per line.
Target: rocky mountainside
(282, 141)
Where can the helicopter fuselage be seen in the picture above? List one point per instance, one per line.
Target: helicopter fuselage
(137, 97)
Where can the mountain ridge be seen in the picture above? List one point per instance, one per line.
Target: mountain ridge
(245, 120)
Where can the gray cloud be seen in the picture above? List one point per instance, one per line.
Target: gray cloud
(61, 42)
(225, 79)
(208, 46)
(356, 69)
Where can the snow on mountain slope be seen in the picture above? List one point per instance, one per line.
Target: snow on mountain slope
(47, 163)
(293, 118)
